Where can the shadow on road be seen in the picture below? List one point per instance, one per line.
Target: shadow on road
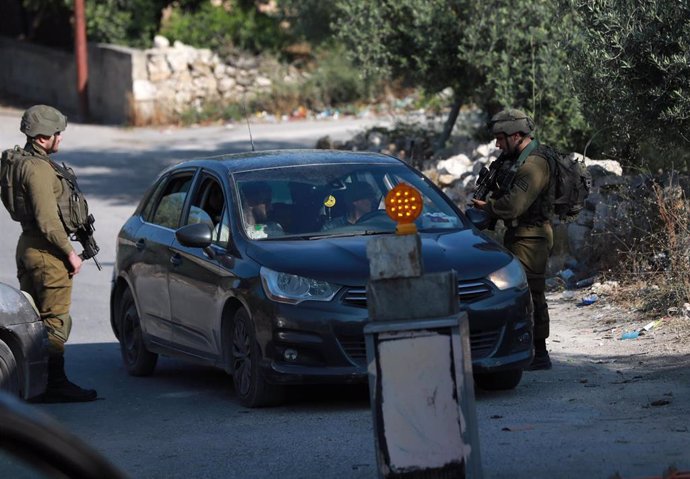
(100, 366)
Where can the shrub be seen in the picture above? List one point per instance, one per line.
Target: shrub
(653, 246)
(224, 29)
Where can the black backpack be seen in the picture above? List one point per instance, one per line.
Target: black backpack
(570, 182)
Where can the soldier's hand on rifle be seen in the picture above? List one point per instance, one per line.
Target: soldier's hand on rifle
(75, 262)
(479, 204)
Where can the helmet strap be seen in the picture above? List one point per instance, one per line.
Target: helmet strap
(52, 145)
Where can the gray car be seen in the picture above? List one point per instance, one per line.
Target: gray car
(23, 345)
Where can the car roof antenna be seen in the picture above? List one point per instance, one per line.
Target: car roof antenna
(246, 117)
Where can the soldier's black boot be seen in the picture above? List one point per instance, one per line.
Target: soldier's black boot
(61, 389)
(540, 362)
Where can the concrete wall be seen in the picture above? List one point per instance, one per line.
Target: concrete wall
(36, 74)
(112, 71)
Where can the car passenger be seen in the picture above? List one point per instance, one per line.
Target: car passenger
(360, 198)
(256, 208)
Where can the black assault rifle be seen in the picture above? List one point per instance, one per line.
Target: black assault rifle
(84, 235)
(497, 178)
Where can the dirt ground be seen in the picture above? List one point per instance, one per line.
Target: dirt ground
(595, 322)
(609, 408)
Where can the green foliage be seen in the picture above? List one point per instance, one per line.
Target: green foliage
(491, 53)
(523, 61)
(123, 22)
(309, 20)
(224, 29)
(633, 78)
(335, 81)
(412, 39)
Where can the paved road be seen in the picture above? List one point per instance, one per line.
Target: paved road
(580, 420)
(184, 422)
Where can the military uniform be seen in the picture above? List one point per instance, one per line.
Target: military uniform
(37, 195)
(525, 204)
(524, 210)
(43, 246)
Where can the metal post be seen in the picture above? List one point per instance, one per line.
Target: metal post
(81, 59)
(420, 369)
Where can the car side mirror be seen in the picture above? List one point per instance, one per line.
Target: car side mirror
(479, 218)
(197, 235)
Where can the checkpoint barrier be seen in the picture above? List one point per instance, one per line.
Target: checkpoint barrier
(419, 364)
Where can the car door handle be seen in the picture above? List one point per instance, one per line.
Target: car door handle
(176, 259)
(141, 244)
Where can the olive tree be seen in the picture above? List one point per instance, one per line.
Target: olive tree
(521, 51)
(416, 40)
(633, 78)
(492, 53)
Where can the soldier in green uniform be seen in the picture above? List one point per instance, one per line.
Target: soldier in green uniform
(525, 206)
(36, 192)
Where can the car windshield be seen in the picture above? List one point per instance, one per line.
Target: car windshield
(318, 200)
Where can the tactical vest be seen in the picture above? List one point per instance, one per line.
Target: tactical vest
(72, 206)
(541, 210)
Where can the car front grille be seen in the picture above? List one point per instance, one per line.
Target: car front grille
(354, 347)
(482, 343)
(467, 291)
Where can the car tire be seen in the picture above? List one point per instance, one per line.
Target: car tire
(499, 381)
(138, 360)
(250, 385)
(9, 375)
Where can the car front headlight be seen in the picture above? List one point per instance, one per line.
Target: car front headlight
(510, 276)
(293, 289)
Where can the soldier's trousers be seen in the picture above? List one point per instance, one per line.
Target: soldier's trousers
(45, 276)
(533, 252)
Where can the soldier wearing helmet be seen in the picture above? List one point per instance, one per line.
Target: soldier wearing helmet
(525, 207)
(37, 192)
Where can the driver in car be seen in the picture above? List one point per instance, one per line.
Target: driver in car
(360, 198)
(256, 210)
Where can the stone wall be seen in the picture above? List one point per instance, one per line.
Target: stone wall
(179, 77)
(134, 86)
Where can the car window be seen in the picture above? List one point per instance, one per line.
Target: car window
(326, 199)
(221, 231)
(209, 205)
(169, 208)
(151, 200)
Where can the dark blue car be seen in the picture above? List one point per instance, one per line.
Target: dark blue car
(256, 263)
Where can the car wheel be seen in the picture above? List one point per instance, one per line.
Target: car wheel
(138, 360)
(250, 386)
(9, 376)
(499, 381)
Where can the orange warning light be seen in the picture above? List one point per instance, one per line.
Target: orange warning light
(404, 205)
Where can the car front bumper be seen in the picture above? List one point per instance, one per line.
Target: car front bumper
(324, 342)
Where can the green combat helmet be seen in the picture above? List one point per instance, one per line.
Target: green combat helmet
(42, 120)
(511, 121)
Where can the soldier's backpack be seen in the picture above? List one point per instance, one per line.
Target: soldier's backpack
(570, 182)
(8, 166)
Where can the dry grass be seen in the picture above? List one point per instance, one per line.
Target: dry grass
(655, 269)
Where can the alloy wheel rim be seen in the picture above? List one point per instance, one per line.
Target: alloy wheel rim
(242, 358)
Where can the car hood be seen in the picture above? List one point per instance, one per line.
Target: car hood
(343, 260)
